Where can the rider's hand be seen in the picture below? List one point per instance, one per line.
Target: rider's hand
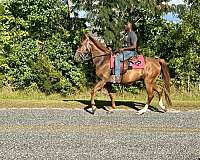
(118, 50)
(121, 49)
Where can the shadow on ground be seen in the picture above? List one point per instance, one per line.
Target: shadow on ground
(103, 104)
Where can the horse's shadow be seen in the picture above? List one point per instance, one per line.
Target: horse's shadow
(103, 104)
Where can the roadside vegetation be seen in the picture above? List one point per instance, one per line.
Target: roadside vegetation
(38, 40)
(36, 99)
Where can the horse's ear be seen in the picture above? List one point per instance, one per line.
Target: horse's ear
(85, 36)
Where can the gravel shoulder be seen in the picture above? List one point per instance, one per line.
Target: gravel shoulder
(60, 133)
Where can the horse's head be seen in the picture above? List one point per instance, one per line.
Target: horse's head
(83, 48)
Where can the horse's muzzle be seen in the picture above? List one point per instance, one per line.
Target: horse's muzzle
(78, 56)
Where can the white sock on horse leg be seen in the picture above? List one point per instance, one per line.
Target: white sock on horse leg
(144, 109)
(161, 103)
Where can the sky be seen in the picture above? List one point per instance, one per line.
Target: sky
(169, 16)
(176, 2)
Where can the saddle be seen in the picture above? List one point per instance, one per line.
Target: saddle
(135, 62)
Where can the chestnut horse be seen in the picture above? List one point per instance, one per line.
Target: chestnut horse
(101, 59)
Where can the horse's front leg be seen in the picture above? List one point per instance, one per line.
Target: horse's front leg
(149, 88)
(112, 96)
(97, 87)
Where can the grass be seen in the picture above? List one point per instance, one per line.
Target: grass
(34, 99)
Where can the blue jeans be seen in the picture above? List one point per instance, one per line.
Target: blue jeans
(122, 57)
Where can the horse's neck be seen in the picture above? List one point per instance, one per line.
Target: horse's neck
(96, 52)
(99, 56)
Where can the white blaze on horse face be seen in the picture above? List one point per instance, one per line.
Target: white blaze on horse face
(161, 103)
(88, 46)
(84, 47)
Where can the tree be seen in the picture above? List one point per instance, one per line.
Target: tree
(108, 17)
(179, 44)
(38, 41)
(188, 60)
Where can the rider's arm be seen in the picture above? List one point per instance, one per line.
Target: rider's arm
(132, 47)
(133, 39)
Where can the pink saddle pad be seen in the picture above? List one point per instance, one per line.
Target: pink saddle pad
(137, 62)
(112, 61)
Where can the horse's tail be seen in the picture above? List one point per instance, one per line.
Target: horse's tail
(166, 79)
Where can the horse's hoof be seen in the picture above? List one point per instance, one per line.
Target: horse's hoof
(109, 111)
(140, 112)
(161, 110)
(94, 108)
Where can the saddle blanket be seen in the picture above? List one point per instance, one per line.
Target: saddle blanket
(136, 62)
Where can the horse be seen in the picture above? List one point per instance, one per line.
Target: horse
(154, 67)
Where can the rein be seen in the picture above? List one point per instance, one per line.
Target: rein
(101, 56)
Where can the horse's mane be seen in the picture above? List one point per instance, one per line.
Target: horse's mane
(98, 44)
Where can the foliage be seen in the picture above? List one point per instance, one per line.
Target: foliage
(37, 42)
(177, 43)
(109, 17)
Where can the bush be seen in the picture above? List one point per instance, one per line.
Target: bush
(38, 42)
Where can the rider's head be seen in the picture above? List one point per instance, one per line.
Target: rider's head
(129, 27)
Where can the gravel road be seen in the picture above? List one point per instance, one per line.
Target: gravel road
(74, 134)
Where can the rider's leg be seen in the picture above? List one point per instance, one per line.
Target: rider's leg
(129, 54)
(118, 59)
(121, 57)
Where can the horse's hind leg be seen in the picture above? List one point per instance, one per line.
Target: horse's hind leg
(159, 90)
(149, 88)
(112, 95)
(97, 87)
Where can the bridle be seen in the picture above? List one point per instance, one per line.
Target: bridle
(88, 49)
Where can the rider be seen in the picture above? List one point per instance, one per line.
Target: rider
(127, 52)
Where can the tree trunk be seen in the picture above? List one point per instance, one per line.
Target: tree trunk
(188, 84)
(69, 4)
